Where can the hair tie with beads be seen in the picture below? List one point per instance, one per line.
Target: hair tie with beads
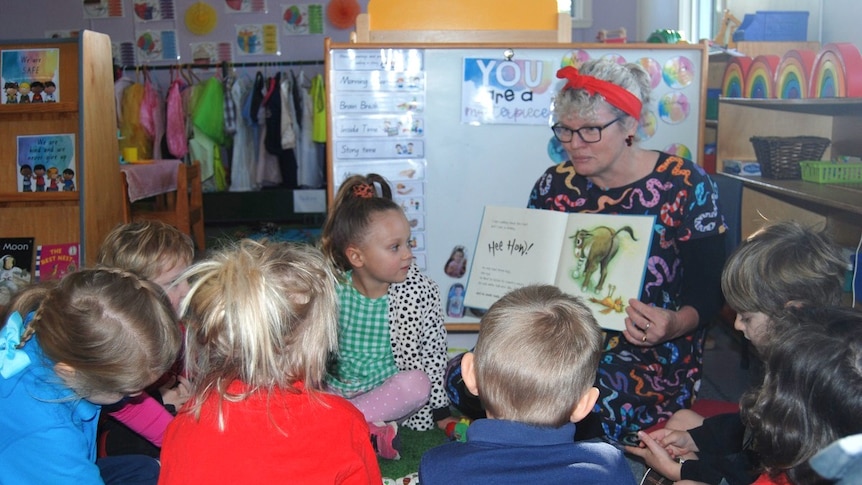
(363, 191)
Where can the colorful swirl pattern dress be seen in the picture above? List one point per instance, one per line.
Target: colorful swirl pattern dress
(641, 385)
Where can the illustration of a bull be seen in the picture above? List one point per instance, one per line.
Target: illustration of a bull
(596, 248)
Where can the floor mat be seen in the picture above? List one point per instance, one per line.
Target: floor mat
(413, 445)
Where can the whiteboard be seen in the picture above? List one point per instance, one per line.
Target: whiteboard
(383, 98)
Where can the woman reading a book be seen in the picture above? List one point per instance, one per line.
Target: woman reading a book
(653, 367)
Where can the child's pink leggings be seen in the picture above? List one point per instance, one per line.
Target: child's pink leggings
(396, 399)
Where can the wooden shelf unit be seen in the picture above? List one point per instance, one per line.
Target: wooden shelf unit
(87, 110)
(718, 63)
(835, 206)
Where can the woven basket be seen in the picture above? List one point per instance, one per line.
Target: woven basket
(779, 156)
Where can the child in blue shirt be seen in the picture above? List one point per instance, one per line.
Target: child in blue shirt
(96, 337)
(533, 368)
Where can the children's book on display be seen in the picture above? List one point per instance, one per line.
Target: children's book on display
(53, 261)
(601, 258)
(16, 264)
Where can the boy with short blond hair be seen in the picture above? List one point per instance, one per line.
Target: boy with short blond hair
(153, 250)
(158, 252)
(533, 368)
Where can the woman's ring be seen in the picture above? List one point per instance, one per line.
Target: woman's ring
(644, 339)
(647, 327)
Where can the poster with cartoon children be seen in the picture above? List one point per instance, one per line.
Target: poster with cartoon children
(46, 163)
(30, 76)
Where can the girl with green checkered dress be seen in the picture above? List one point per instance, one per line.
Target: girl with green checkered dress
(392, 343)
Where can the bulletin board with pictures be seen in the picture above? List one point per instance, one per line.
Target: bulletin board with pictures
(456, 128)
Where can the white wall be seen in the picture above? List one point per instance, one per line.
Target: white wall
(828, 20)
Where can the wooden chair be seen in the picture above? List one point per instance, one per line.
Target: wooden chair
(182, 209)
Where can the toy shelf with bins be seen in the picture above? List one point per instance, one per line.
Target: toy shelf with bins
(835, 206)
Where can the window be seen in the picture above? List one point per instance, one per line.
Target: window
(581, 11)
(698, 19)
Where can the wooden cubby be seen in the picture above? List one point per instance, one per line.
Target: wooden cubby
(718, 63)
(87, 109)
(835, 206)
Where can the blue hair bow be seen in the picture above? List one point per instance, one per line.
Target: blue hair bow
(12, 359)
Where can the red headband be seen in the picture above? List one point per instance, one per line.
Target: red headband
(615, 95)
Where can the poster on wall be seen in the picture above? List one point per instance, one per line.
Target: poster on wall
(156, 45)
(302, 19)
(153, 10)
(245, 6)
(30, 76)
(514, 92)
(257, 39)
(100, 9)
(123, 53)
(46, 163)
(211, 52)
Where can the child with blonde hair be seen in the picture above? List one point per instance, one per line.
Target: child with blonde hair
(153, 250)
(69, 347)
(158, 252)
(533, 369)
(261, 323)
(392, 342)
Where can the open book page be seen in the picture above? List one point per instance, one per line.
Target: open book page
(516, 247)
(604, 261)
(601, 258)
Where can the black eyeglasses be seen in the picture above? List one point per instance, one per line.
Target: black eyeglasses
(588, 134)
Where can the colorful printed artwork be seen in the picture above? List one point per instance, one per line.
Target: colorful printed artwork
(257, 39)
(678, 72)
(514, 92)
(245, 6)
(653, 68)
(98, 9)
(647, 126)
(152, 10)
(46, 163)
(673, 108)
(302, 19)
(156, 45)
(575, 58)
(30, 76)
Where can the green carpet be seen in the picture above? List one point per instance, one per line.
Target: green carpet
(413, 444)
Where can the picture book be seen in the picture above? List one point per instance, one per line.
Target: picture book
(16, 256)
(53, 261)
(599, 257)
(46, 163)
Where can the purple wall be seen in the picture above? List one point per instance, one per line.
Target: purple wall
(30, 19)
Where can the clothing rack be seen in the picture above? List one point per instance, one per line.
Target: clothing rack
(226, 64)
